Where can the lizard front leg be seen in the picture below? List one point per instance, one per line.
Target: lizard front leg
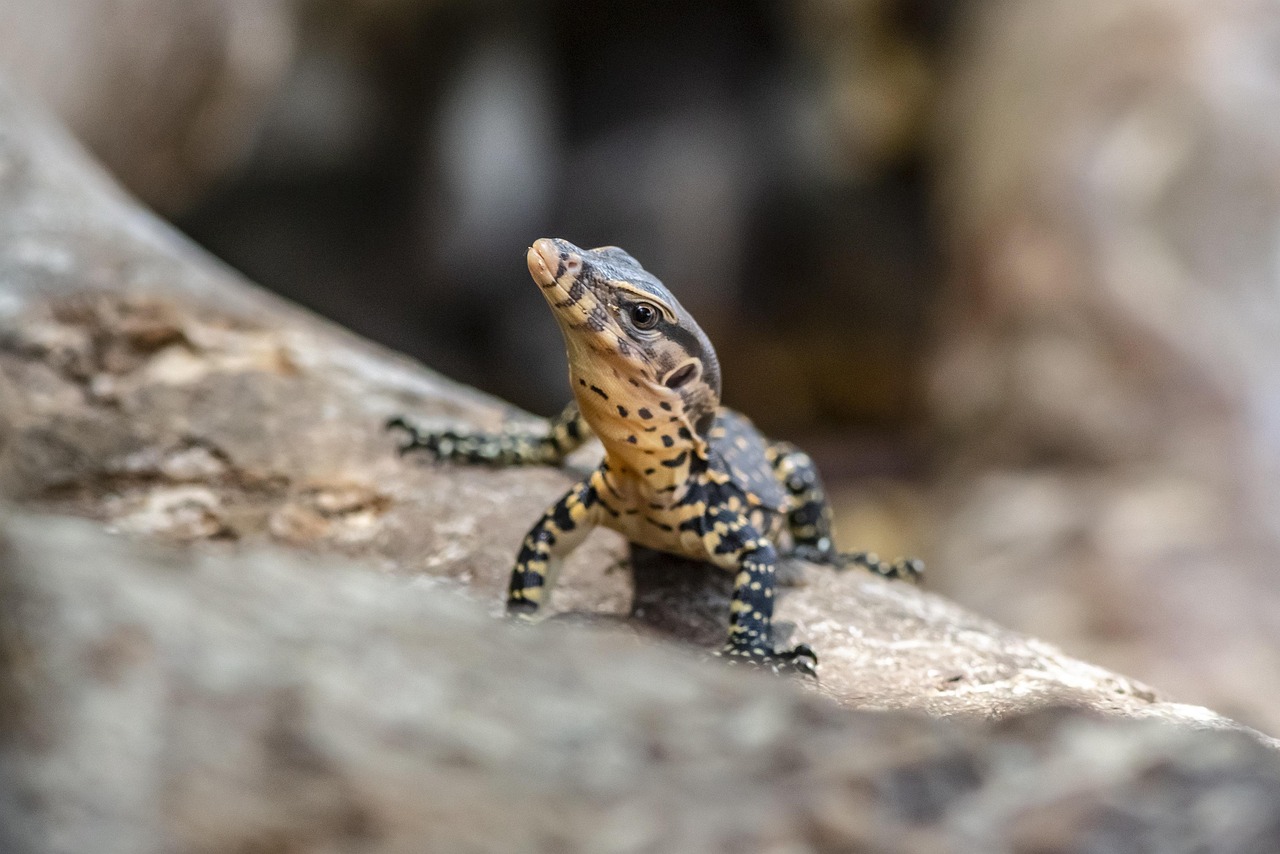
(560, 530)
(565, 433)
(735, 544)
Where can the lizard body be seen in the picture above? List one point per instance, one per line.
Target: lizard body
(680, 474)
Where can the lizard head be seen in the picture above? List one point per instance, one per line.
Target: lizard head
(633, 349)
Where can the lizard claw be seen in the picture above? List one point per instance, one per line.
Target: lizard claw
(414, 439)
(800, 659)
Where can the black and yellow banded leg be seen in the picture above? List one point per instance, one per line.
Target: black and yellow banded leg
(735, 544)
(565, 433)
(810, 515)
(560, 530)
(810, 519)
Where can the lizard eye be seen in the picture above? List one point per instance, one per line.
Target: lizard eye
(644, 315)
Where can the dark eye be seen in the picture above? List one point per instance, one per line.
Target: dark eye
(644, 315)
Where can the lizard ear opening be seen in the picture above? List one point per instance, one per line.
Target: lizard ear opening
(683, 375)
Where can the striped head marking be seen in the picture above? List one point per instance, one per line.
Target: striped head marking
(637, 360)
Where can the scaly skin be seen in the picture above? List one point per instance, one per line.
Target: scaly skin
(681, 474)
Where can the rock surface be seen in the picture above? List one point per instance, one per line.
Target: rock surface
(213, 696)
(170, 699)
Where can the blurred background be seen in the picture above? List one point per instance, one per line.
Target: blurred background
(1011, 271)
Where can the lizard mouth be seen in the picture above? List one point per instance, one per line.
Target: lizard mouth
(547, 264)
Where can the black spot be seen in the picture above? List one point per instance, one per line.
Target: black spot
(665, 406)
(651, 429)
(633, 382)
(644, 413)
(660, 525)
(650, 471)
(684, 433)
(692, 524)
(599, 392)
(731, 541)
(560, 515)
(631, 439)
(612, 489)
(677, 461)
(622, 410)
(667, 441)
(581, 381)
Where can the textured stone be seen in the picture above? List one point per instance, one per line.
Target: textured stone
(181, 699)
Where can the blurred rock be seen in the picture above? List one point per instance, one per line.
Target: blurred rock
(166, 92)
(1106, 387)
(163, 699)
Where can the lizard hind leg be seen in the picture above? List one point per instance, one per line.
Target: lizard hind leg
(809, 519)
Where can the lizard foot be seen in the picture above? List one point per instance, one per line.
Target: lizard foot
(413, 438)
(441, 444)
(800, 659)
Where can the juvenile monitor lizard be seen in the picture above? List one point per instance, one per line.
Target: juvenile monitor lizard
(680, 474)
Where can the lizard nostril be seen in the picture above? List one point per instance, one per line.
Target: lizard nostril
(681, 375)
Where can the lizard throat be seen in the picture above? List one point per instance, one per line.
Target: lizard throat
(647, 436)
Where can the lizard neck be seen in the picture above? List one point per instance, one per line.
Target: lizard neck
(650, 445)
